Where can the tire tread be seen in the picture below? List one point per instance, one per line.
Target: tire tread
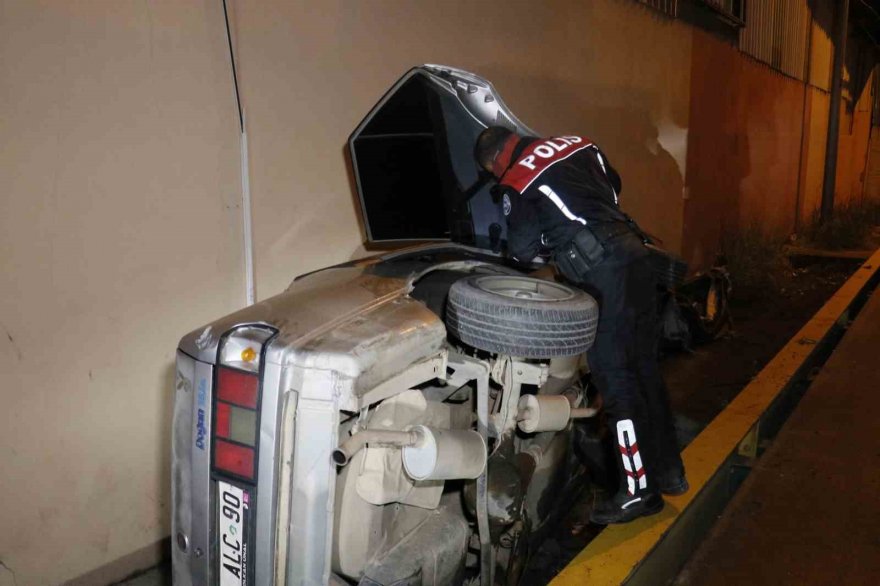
(526, 328)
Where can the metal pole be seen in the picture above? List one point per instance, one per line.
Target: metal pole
(805, 139)
(840, 19)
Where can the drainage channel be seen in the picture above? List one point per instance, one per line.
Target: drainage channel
(651, 550)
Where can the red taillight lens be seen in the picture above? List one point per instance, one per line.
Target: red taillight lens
(237, 387)
(221, 428)
(234, 459)
(235, 422)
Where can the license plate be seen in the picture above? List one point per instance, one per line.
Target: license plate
(232, 517)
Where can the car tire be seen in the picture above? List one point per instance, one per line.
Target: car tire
(709, 317)
(521, 316)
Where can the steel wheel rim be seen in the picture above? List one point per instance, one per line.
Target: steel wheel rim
(524, 289)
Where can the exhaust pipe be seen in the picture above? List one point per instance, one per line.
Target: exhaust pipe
(378, 437)
(445, 454)
(428, 453)
(539, 413)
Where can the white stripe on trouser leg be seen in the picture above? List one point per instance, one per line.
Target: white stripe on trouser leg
(630, 483)
(629, 454)
(545, 189)
(637, 460)
(643, 481)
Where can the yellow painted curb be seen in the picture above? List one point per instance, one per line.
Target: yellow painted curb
(619, 549)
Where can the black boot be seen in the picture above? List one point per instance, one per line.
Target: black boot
(624, 507)
(638, 495)
(674, 483)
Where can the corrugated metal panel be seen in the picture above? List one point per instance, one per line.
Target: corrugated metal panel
(776, 33)
(730, 11)
(669, 7)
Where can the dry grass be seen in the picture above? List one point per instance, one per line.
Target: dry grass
(755, 261)
(849, 228)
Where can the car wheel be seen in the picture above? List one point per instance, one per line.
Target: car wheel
(710, 315)
(521, 316)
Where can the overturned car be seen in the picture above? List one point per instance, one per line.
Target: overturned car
(402, 419)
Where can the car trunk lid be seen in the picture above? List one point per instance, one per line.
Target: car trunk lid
(412, 157)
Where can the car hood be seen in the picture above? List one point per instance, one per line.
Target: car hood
(412, 158)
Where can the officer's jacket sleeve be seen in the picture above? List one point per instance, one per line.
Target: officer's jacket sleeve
(523, 226)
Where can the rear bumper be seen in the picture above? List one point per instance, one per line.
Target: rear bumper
(190, 473)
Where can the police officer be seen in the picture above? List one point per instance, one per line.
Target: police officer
(561, 194)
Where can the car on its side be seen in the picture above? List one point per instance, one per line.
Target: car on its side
(401, 419)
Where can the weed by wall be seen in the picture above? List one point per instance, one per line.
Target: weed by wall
(755, 260)
(849, 227)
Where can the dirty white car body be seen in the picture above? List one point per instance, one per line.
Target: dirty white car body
(269, 486)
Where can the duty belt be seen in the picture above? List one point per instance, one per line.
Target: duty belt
(607, 231)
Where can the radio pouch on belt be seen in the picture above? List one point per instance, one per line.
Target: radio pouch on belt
(580, 254)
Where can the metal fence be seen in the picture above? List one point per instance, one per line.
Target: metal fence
(776, 32)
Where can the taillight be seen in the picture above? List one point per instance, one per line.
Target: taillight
(235, 422)
(234, 459)
(237, 402)
(238, 388)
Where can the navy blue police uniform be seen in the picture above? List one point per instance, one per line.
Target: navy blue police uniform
(561, 195)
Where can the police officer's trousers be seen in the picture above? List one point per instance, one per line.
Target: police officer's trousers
(623, 361)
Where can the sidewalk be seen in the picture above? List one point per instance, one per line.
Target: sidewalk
(809, 512)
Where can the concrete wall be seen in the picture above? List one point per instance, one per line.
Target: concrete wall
(756, 148)
(815, 142)
(855, 127)
(855, 130)
(744, 147)
(816, 108)
(119, 230)
(120, 219)
(309, 76)
(872, 172)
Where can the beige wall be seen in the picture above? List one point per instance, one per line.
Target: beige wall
(872, 172)
(744, 150)
(120, 217)
(119, 231)
(610, 69)
(854, 137)
(852, 157)
(757, 142)
(120, 223)
(815, 143)
(821, 49)
(815, 124)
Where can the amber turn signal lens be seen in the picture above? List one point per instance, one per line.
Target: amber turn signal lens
(248, 354)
